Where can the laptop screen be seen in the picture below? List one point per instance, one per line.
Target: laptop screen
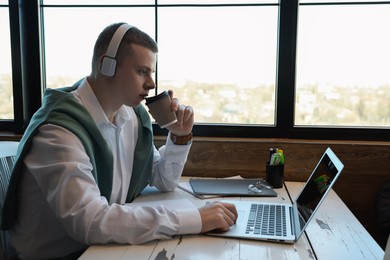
(318, 185)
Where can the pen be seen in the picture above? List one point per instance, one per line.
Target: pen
(271, 152)
(281, 156)
(276, 156)
(274, 159)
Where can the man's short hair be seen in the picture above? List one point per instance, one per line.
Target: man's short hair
(133, 35)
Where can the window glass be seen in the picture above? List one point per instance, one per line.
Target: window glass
(224, 67)
(70, 35)
(209, 2)
(152, 2)
(343, 62)
(221, 60)
(98, 2)
(338, 1)
(6, 92)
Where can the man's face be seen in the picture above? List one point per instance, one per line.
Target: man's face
(134, 75)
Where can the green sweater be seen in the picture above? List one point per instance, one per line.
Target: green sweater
(61, 108)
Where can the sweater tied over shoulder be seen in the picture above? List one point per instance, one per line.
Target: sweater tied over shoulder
(61, 108)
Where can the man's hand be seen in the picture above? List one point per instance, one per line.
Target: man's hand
(185, 117)
(218, 216)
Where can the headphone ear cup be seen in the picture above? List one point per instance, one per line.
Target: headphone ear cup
(108, 66)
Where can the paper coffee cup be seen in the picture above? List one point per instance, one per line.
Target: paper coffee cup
(160, 109)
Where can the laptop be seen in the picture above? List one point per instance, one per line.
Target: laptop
(285, 222)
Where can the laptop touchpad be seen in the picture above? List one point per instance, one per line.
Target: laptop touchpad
(241, 215)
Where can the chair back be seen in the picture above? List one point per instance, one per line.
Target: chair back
(8, 148)
(7, 162)
(387, 250)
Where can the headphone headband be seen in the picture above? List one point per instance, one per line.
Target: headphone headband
(109, 60)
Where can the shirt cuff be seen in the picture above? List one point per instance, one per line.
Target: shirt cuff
(189, 221)
(175, 153)
(169, 141)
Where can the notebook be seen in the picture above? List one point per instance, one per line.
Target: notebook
(232, 187)
(284, 222)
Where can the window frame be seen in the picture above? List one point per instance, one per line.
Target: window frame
(29, 81)
(25, 54)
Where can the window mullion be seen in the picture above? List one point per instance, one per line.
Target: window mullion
(30, 58)
(285, 84)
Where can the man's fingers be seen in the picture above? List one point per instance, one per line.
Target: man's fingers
(218, 216)
(188, 111)
(232, 211)
(175, 104)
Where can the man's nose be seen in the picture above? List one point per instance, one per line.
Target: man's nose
(150, 84)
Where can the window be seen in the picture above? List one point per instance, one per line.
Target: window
(250, 68)
(6, 94)
(221, 66)
(224, 64)
(343, 65)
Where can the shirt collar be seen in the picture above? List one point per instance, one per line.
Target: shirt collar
(87, 97)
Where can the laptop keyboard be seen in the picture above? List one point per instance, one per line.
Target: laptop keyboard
(267, 220)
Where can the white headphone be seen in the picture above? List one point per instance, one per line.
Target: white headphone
(108, 66)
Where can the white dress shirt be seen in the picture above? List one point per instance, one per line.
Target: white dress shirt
(60, 207)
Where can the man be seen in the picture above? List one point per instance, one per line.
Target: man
(89, 150)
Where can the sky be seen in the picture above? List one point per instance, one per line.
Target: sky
(222, 51)
(347, 44)
(217, 46)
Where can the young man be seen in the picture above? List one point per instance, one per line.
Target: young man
(89, 150)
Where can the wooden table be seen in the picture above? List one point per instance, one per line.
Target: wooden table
(334, 234)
